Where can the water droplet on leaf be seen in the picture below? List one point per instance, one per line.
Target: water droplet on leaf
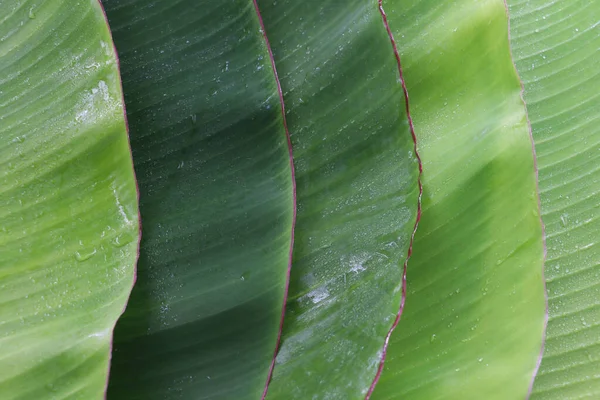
(83, 256)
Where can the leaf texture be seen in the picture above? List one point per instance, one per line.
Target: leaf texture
(475, 307)
(356, 175)
(216, 198)
(68, 202)
(557, 51)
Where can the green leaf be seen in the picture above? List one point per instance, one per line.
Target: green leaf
(216, 200)
(475, 309)
(357, 194)
(556, 46)
(68, 207)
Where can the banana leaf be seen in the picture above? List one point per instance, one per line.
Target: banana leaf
(216, 200)
(556, 48)
(475, 312)
(285, 151)
(356, 175)
(68, 201)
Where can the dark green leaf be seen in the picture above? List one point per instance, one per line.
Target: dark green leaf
(216, 200)
(357, 194)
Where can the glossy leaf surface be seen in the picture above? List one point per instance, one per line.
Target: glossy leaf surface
(357, 194)
(195, 326)
(474, 316)
(216, 200)
(557, 50)
(68, 207)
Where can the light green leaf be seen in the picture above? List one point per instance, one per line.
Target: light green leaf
(474, 317)
(216, 200)
(357, 194)
(557, 50)
(68, 209)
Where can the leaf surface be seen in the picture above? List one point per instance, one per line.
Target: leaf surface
(557, 51)
(216, 200)
(357, 191)
(68, 202)
(203, 318)
(475, 307)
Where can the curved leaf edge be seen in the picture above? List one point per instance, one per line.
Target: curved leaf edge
(538, 199)
(294, 197)
(137, 191)
(419, 198)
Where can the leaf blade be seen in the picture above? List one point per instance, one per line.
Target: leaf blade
(357, 194)
(69, 220)
(480, 221)
(556, 52)
(216, 198)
